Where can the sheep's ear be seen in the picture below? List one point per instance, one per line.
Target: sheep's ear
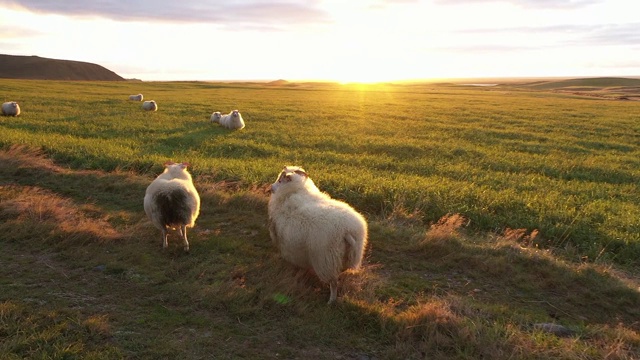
(301, 173)
(184, 165)
(169, 163)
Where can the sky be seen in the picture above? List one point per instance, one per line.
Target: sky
(334, 40)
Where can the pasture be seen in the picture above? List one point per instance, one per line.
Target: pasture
(491, 210)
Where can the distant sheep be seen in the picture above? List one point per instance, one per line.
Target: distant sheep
(11, 108)
(135, 97)
(172, 202)
(314, 231)
(150, 105)
(215, 117)
(232, 120)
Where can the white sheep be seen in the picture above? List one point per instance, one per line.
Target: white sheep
(150, 105)
(232, 120)
(215, 117)
(10, 108)
(136, 97)
(171, 201)
(314, 231)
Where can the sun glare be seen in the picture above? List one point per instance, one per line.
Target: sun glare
(373, 47)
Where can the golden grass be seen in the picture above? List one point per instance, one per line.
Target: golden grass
(437, 291)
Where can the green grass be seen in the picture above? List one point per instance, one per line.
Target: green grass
(567, 167)
(86, 274)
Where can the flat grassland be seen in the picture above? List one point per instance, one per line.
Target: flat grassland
(491, 210)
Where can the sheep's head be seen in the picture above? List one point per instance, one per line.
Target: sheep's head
(290, 175)
(235, 113)
(177, 171)
(216, 116)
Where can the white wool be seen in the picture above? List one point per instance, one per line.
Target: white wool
(10, 108)
(215, 117)
(150, 105)
(314, 231)
(232, 120)
(136, 97)
(175, 178)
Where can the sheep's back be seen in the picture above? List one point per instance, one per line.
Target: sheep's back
(311, 225)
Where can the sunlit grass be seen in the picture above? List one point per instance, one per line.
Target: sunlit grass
(568, 167)
(489, 212)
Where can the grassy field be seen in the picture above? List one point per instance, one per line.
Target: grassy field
(491, 210)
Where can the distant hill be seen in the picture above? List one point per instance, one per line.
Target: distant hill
(599, 82)
(610, 88)
(278, 82)
(39, 68)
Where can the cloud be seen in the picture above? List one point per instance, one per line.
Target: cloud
(539, 4)
(625, 34)
(8, 32)
(587, 35)
(260, 13)
(483, 49)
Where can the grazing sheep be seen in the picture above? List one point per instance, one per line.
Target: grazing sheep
(11, 108)
(171, 201)
(135, 97)
(215, 117)
(150, 105)
(232, 120)
(314, 231)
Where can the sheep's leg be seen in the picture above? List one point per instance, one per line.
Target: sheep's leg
(183, 232)
(165, 234)
(333, 286)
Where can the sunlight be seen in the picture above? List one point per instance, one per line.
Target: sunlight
(372, 47)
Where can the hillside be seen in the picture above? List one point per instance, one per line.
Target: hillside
(606, 88)
(600, 82)
(39, 68)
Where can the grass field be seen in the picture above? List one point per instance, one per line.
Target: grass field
(490, 210)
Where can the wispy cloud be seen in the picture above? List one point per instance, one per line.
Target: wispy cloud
(8, 32)
(626, 34)
(551, 4)
(586, 35)
(259, 12)
(483, 49)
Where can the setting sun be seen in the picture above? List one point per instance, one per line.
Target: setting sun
(365, 41)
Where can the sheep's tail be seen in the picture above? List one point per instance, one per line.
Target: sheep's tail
(355, 249)
(173, 208)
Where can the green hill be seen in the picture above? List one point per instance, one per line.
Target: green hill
(599, 82)
(39, 68)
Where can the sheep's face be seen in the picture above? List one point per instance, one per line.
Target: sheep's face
(235, 113)
(14, 105)
(289, 175)
(177, 170)
(216, 116)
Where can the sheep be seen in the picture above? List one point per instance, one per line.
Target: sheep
(171, 201)
(150, 105)
(232, 120)
(313, 231)
(215, 117)
(138, 97)
(11, 108)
